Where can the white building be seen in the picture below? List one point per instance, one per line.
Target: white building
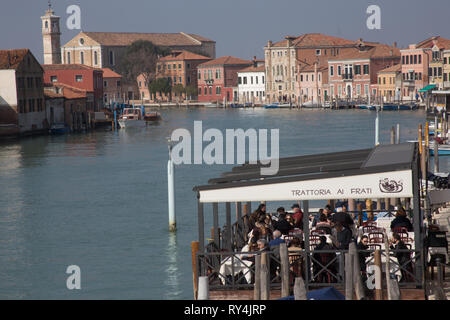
(252, 85)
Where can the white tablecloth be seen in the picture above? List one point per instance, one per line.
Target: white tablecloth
(226, 268)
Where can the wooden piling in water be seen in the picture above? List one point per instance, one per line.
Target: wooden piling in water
(194, 250)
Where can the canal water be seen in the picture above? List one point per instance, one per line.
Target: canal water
(99, 200)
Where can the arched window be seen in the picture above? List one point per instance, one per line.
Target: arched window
(68, 57)
(95, 58)
(82, 57)
(46, 24)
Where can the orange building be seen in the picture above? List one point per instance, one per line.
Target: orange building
(180, 68)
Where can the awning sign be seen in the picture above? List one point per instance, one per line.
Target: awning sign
(394, 184)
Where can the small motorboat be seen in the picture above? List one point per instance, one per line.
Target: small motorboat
(133, 118)
(59, 128)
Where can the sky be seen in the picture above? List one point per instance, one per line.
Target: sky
(240, 28)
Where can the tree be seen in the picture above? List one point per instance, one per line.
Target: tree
(178, 89)
(161, 85)
(140, 58)
(191, 91)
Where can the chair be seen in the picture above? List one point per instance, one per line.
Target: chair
(314, 240)
(400, 230)
(370, 228)
(369, 223)
(374, 246)
(318, 232)
(376, 237)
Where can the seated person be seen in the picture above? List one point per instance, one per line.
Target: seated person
(283, 225)
(401, 220)
(363, 246)
(321, 261)
(343, 237)
(342, 217)
(323, 224)
(276, 239)
(403, 258)
(297, 216)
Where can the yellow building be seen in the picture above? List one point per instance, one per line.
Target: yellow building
(390, 83)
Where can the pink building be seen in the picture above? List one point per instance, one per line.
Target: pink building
(313, 84)
(354, 74)
(420, 65)
(218, 78)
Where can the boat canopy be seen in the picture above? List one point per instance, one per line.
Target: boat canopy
(428, 88)
(385, 171)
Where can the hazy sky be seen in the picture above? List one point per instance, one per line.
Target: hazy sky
(240, 27)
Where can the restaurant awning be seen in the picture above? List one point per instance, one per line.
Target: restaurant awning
(386, 171)
(428, 88)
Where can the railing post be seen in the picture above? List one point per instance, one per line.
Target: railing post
(299, 289)
(194, 249)
(265, 276)
(257, 285)
(348, 276)
(284, 262)
(378, 275)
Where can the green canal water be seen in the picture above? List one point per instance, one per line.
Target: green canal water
(99, 200)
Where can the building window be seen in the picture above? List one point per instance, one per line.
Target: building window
(318, 52)
(210, 91)
(188, 65)
(54, 79)
(179, 66)
(169, 67)
(95, 58)
(79, 78)
(403, 59)
(239, 80)
(68, 58)
(366, 69)
(420, 59)
(199, 74)
(199, 91)
(407, 59)
(105, 84)
(118, 83)
(357, 69)
(111, 58)
(206, 91)
(331, 71)
(188, 79)
(82, 57)
(415, 59)
(339, 71)
(245, 80)
(179, 80)
(263, 79)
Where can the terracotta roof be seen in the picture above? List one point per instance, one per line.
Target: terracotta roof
(159, 39)
(442, 43)
(394, 68)
(11, 59)
(253, 69)
(226, 60)
(108, 73)
(319, 40)
(183, 55)
(372, 51)
(51, 94)
(68, 67)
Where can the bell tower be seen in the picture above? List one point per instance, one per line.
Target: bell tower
(51, 35)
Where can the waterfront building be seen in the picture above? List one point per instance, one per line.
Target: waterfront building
(22, 102)
(112, 87)
(390, 83)
(252, 84)
(218, 79)
(54, 107)
(285, 58)
(103, 49)
(180, 68)
(446, 71)
(313, 83)
(78, 76)
(420, 66)
(77, 105)
(51, 36)
(354, 73)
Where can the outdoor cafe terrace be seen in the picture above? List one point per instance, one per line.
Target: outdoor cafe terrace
(378, 174)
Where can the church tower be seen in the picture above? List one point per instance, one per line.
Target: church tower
(51, 35)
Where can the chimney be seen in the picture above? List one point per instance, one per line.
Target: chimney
(255, 64)
(269, 43)
(394, 44)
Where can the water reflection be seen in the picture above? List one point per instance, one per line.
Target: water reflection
(172, 281)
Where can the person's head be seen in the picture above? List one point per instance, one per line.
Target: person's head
(281, 210)
(339, 210)
(276, 234)
(261, 208)
(338, 226)
(261, 244)
(365, 240)
(396, 237)
(401, 212)
(295, 242)
(323, 218)
(344, 209)
(320, 212)
(262, 218)
(282, 216)
(323, 239)
(295, 207)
